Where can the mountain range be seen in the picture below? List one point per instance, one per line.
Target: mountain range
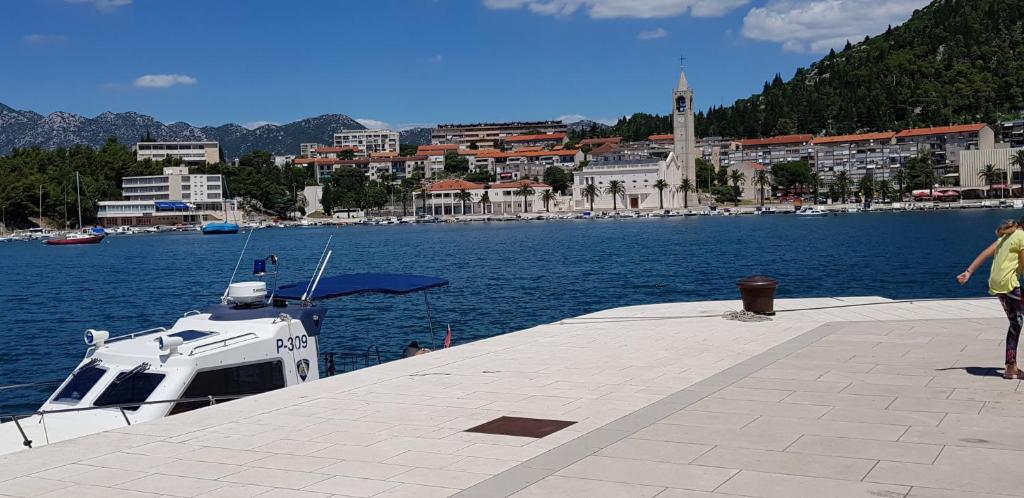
(61, 129)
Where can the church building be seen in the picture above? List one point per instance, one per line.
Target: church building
(638, 167)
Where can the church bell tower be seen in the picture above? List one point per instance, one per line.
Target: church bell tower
(683, 136)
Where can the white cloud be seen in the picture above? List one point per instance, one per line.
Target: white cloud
(819, 25)
(572, 118)
(163, 80)
(43, 39)
(607, 9)
(252, 125)
(373, 124)
(104, 5)
(652, 34)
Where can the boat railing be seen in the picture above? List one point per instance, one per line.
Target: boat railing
(350, 360)
(223, 343)
(133, 335)
(16, 417)
(190, 313)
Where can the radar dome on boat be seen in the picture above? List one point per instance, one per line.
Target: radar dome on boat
(247, 292)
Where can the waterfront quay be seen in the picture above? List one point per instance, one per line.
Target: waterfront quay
(858, 396)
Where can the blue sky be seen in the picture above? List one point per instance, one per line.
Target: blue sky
(410, 62)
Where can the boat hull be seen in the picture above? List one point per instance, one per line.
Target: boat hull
(93, 239)
(220, 229)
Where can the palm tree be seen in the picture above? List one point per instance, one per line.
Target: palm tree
(686, 186)
(615, 189)
(990, 174)
(762, 180)
(423, 191)
(842, 185)
(547, 196)
(464, 196)
(524, 191)
(737, 178)
(901, 178)
(661, 185)
(1017, 161)
(590, 192)
(816, 184)
(885, 190)
(484, 200)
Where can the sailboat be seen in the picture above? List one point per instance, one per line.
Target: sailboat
(221, 227)
(80, 237)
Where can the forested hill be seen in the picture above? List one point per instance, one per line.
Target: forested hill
(954, 61)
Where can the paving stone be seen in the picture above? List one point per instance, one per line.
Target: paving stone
(972, 479)
(570, 487)
(351, 486)
(172, 485)
(751, 394)
(825, 428)
(792, 385)
(289, 479)
(31, 486)
(368, 470)
(658, 451)
(833, 399)
(648, 473)
(709, 419)
(866, 448)
(751, 483)
(787, 463)
(901, 391)
(717, 436)
(416, 491)
(775, 409)
(889, 417)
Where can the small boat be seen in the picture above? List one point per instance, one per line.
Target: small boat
(74, 239)
(812, 212)
(219, 228)
(256, 339)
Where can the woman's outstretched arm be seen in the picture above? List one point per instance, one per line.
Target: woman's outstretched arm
(978, 261)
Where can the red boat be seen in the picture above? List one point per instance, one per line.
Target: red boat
(75, 239)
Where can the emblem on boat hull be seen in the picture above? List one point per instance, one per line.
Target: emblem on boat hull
(302, 367)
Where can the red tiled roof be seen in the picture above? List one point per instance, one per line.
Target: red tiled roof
(862, 137)
(605, 149)
(477, 152)
(942, 130)
(661, 138)
(434, 149)
(518, 183)
(446, 185)
(383, 154)
(601, 141)
(334, 150)
(532, 138)
(780, 140)
(497, 154)
(330, 160)
(531, 148)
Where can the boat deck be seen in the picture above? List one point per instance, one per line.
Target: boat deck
(862, 397)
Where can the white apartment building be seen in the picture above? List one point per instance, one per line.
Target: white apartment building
(191, 153)
(496, 198)
(973, 162)
(368, 141)
(171, 198)
(637, 168)
(491, 135)
(306, 149)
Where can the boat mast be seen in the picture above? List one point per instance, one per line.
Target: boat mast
(40, 205)
(78, 194)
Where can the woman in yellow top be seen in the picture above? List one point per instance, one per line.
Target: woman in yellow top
(1007, 254)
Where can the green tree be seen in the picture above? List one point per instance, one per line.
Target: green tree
(686, 186)
(615, 189)
(485, 199)
(885, 190)
(866, 186)
(990, 175)
(737, 178)
(525, 191)
(1017, 161)
(705, 174)
(902, 179)
(423, 191)
(661, 185)
(558, 179)
(591, 192)
(464, 196)
(789, 176)
(547, 196)
(761, 180)
(842, 185)
(455, 164)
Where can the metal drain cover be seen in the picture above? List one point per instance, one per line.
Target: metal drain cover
(522, 427)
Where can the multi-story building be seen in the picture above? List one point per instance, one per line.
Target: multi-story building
(973, 162)
(860, 153)
(637, 167)
(190, 153)
(713, 149)
(496, 198)
(171, 198)
(306, 149)
(1012, 132)
(544, 140)
(946, 142)
(770, 151)
(490, 135)
(368, 140)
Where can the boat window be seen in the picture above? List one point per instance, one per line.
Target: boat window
(253, 378)
(129, 387)
(190, 335)
(81, 382)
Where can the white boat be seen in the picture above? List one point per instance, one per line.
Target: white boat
(812, 212)
(852, 209)
(249, 343)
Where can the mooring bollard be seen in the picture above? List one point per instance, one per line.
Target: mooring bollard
(758, 293)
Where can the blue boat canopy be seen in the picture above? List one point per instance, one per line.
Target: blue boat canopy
(171, 206)
(361, 283)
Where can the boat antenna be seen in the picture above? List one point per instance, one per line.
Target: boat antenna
(320, 262)
(240, 256)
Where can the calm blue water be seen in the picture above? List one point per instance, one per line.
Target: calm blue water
(504, 276)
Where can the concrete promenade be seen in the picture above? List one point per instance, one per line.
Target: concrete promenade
(837, 397)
